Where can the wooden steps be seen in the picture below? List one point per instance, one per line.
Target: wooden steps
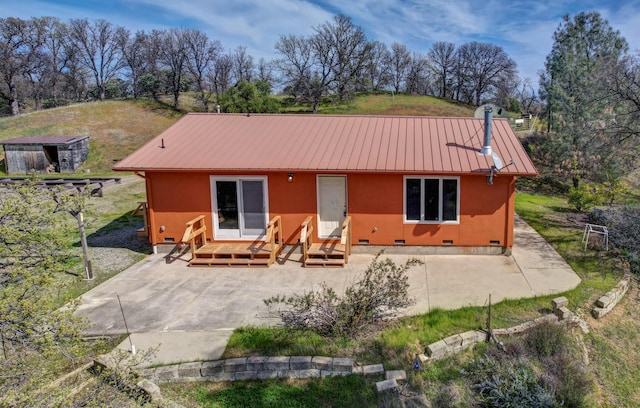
(326, 254)
(241, 254)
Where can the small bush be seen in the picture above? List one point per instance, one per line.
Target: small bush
(537, 370)
(568, 376)
(584, 197)
(379, 293)
(515, 387)
(624, 231)
(547, 339)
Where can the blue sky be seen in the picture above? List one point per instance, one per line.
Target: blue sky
(523, 28)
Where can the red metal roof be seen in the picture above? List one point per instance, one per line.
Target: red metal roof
(44, 140)
(223, 142)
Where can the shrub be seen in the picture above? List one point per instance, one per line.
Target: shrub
(514, 387)
(382, 290)
(624, 231)
(538, 370)
(568, 377)
(584, 197)
(547, 339)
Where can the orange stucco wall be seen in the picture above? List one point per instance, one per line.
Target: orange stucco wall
(375, 203)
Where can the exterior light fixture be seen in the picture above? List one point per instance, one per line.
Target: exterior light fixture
(290, 177)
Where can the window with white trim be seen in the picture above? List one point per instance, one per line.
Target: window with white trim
(431, 199)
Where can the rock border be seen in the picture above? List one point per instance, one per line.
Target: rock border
(458, 342)
(259, 368)
(609, 300)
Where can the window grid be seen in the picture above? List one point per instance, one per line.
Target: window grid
(431, 200)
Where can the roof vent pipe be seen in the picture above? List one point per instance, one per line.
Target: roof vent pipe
(486, 148)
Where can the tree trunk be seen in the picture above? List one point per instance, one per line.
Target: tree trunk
(13, 99)
(176, 95)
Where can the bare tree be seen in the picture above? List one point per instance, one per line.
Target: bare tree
(76, 75)
(173, 56)
(296, 64)
(201, 53)
(36, 62)
(418, 75)
(243, 66)
(14, 49)
(441, 58)
(343, 49)
(56, 45)
(527, 97)
(377, 70)
(98, 49)
(136, 53)
(220, 76)
(264, 71)
(400, 63)
(483, 67)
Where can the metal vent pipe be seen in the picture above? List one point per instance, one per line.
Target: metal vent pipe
(486, 148)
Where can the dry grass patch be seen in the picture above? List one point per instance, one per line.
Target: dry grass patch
(115, 128)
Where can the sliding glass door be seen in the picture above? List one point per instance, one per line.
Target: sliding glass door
(239, 206)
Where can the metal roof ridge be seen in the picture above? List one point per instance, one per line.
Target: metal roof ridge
(333, 115)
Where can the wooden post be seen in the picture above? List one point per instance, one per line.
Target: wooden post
(85, 248)
(489, 332)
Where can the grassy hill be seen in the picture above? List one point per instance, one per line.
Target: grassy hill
(117, 128)
(396, 104)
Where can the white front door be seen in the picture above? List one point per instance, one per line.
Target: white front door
(332, 205)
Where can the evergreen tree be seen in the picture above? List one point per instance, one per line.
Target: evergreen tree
(579, 111)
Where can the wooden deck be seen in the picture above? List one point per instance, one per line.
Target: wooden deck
(256, 253)
(329, 253)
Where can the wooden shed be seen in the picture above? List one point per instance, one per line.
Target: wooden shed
(45, 154)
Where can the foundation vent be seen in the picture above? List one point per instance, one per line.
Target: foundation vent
(447, 242)
(399, 242)
(363, 242)
(494, 242)
(169, 239)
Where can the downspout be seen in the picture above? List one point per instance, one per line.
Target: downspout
(510, 216)
(150, 217)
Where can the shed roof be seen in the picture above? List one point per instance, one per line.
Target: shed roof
(226, 142)
(44, 140)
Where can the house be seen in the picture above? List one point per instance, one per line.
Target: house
(45, 154)
(433, 183)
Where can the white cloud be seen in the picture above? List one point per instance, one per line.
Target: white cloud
(523, 28)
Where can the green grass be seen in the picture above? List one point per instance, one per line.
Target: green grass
(270, 341)
(396, 104)
(349, 391)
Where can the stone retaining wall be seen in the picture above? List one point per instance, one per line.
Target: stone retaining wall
(258, 368)
(607, 302)
(458, 342)
(455, 344)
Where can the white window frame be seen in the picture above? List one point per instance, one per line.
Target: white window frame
(217, 234)
(422, 203)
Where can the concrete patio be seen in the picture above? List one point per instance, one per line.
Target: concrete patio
(190, 312)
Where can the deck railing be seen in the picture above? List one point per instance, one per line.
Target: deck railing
(194, 234)
(261, 252)
(328, 253)
(345, 238)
